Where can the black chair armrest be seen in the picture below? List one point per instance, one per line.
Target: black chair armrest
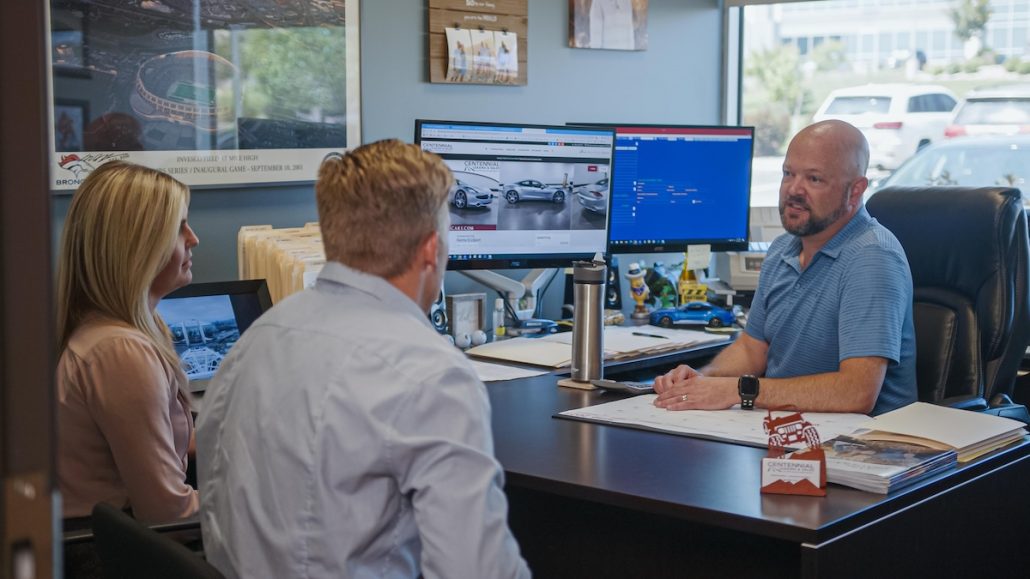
(975, 403)
(1002, 405)
(80, 529)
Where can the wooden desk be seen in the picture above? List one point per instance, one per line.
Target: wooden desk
(591, 500)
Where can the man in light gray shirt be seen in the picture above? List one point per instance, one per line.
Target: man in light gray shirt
(342, 436)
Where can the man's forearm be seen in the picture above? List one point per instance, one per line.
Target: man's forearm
(853, 388)
(739, 358)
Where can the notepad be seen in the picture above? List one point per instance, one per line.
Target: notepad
(555, 350)
(970, 434)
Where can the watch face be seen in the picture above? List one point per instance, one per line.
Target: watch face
(748, 386)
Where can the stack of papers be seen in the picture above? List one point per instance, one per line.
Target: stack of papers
(555, 350)
(289, 259)
(970, 434)
(882, 467)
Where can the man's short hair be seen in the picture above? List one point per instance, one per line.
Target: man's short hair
(377, 203)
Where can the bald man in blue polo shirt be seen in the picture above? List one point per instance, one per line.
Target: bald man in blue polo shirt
(830, 327)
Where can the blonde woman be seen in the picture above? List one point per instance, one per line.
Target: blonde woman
(124, 422)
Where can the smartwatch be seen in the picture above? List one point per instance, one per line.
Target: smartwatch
(747, 387)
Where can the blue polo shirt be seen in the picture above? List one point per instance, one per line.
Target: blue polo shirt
(853, 300)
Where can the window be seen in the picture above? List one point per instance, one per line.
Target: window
(944, 103)
(858, 105)
(893, 68)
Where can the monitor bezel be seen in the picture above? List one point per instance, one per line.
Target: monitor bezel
(523, 262)
(232, 287)
(679, 245)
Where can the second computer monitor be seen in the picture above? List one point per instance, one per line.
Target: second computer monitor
(676, 186)
(524, 196)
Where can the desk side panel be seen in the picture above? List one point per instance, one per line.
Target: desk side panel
(977, 529)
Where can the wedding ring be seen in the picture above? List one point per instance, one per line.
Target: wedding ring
(683, 398)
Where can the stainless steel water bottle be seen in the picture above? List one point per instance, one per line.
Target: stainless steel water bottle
(588, 278)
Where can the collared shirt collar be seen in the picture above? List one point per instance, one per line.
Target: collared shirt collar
(833, 247)
(338, 274)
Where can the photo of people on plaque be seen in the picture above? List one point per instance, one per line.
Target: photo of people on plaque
(507, 56)
(69, 121)
(459, 54)
(484, 56)
(608, 24)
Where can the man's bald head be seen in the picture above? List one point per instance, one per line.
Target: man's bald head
(844, 140)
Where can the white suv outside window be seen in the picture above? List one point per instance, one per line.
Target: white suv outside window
(896, 119)
(1003, 110)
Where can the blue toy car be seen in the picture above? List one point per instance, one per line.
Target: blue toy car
(702, 313)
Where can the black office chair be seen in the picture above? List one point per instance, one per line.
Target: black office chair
(968, 251)
(130, 549)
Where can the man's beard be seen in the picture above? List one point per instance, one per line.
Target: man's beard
(814, 225)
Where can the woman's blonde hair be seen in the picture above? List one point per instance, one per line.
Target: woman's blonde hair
(120, 231)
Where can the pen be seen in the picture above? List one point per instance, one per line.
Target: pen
(650, 335)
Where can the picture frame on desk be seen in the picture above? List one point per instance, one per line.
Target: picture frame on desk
(466, 313)
(164, 90)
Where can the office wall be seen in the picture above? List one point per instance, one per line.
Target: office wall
(675, 80)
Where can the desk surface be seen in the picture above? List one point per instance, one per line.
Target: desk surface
(701, 481)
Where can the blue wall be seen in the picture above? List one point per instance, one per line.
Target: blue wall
(676, 81)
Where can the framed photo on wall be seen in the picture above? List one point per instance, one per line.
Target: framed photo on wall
(478, 42)
(608, 24)
(215, 92)
(69, 121)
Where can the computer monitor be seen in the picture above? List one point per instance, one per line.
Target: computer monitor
(206, 320)
(679, 185)
(525, 196)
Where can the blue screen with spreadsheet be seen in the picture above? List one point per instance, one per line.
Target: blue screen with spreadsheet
(676, 186)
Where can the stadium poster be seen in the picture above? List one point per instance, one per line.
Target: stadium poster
(215, 92)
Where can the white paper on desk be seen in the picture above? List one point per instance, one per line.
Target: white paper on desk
(956, 428)
(622, 339)
(535, 351)
(488, 372)
(733, 425)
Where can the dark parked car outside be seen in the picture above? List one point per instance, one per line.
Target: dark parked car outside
(967, 162)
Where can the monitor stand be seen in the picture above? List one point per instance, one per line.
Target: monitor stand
(513, 291)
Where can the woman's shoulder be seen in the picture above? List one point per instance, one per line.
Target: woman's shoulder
(98, 335)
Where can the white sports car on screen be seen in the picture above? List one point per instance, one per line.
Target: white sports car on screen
(533, 190)
(464, 195)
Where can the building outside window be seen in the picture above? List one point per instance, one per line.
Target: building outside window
(797, 57)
